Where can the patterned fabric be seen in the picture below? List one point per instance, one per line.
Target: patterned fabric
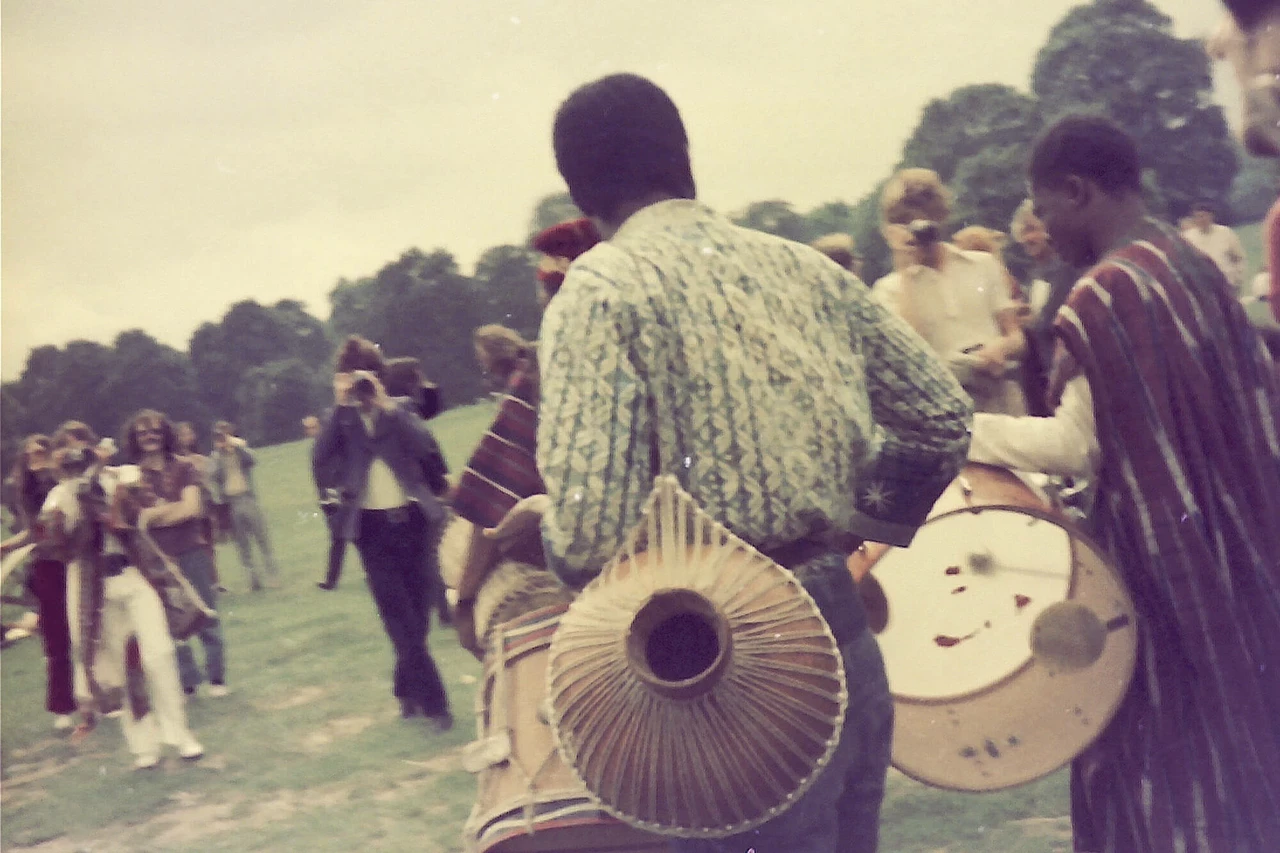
(503, 469)
(759, 373)
(1187, 407)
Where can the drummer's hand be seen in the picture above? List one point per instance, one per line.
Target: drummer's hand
(521, 526)
(464, 622)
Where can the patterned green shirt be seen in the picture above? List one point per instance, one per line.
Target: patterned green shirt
(786, 401)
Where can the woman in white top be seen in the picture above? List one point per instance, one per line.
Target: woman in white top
(958, 301)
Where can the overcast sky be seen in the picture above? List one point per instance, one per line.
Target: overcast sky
(164, 159)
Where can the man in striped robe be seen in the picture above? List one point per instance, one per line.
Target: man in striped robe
(1165, 394)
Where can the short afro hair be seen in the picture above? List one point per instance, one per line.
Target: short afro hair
(620, 139)
(1249, 13)
(1090, 147)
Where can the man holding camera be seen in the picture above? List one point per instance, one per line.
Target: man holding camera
(232, 462)
(386, 466)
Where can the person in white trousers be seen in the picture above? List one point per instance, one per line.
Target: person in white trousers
(130, 607)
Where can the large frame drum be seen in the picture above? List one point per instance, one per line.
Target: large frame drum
(1009, 640)
(529, 800)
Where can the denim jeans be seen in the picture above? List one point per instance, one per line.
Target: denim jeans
(197, 567)
(841, 810)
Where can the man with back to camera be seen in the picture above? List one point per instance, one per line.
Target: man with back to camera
(793, 408)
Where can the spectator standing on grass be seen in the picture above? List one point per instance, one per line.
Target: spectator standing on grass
(388, 469)
(123, 652)
(407, 384)
(35, 475)
(172, 486)
(232, 463)
(327, 493)
(958, 301)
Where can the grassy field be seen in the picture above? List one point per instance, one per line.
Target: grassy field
(309, 753)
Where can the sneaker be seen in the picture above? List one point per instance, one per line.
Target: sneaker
(147, 761)
(440, 723)
(191, 751)
(325, 585)
(63, 723)
(218, 691)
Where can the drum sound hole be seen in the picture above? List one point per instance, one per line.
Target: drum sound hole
(678, 643)
(681, 647)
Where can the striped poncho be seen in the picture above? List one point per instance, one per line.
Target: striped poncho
(1187, 405)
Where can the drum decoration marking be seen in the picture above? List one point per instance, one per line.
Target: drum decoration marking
(693, 686)
(1064, 653)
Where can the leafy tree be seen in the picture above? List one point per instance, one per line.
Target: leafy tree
(274, 397)
(833, 217)
(552, 210)
(71, 383)
(989, 186)
(251, 335)
(506, 284)
(967, 122)
(1121, 58)
(147, 374)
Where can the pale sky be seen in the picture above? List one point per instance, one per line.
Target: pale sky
(163, 159)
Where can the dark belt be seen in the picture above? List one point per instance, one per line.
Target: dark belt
(395, 515)
(828, 580)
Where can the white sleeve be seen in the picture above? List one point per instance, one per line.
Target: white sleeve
(63, 498)
(1065, 443)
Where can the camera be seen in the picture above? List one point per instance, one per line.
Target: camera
(363, 386)
(925, 232)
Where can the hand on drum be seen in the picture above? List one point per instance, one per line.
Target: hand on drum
(520, 528)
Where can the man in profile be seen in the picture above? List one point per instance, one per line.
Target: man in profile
(792, 407)
(1165, 397)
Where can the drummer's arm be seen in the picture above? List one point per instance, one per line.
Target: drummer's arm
(922, 416)
(1065, 443)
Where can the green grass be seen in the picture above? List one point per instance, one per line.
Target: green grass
(308, 752)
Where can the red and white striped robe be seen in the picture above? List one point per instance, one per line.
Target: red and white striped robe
(1187, 406)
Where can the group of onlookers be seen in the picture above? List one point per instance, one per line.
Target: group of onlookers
(123, 570)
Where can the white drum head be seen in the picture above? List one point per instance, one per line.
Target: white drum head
(963, 598)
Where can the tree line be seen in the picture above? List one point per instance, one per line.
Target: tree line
(265, 367)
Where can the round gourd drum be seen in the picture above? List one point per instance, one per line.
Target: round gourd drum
(528, 799)
(694, 687)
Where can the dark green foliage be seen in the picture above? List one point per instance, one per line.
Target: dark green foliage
(1121, 58)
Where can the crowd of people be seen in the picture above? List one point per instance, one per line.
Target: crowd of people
(124, 572)
(803, 410)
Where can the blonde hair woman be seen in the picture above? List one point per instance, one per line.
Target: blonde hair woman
(958, 301)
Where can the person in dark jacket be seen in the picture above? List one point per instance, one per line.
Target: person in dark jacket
(388, 468)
